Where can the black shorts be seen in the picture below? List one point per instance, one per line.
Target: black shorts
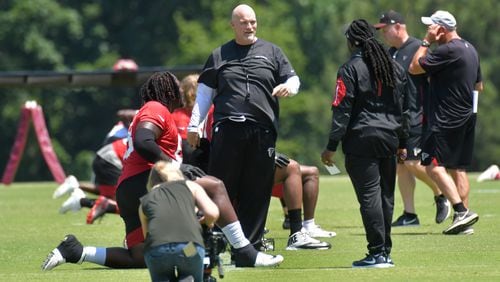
(198, 157)
(451, 148)
(413, 147)
(105, 172)
(128, 196)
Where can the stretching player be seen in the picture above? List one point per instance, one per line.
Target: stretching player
(294, 185)
(153, 136)
(107, 167)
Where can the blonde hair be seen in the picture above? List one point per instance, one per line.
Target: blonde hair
(188, 87)
(163, 171)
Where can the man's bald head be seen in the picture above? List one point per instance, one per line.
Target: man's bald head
(244, 24)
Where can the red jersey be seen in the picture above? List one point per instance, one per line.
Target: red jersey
(181, 118)
(169, 141)
(207, 127)
(120, 147)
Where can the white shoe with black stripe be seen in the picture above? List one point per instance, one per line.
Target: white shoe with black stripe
(302, 241)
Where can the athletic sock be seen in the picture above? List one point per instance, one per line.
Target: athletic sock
(295, 220)
(459, 207)
(111, 208)
(86, 202)
(95, 255)
(409, 214)
(308, 224)
(235, 236)
(245, 257)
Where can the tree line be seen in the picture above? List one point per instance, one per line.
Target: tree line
(92, 35)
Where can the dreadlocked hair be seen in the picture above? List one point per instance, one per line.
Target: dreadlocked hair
(360, 33)
(162, 87)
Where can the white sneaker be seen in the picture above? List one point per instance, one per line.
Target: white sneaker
(489, 174)
(264, 259)
(69, 184)
(73, 202)
(317, 232)
(54, 258)
(302, 241)
(69, 250)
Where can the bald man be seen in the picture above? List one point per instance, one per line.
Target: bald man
(244, 80)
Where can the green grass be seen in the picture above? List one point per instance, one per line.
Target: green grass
(31, 227)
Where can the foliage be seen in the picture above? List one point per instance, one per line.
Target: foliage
(92, 35)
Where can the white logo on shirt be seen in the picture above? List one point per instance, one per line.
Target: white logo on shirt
(270, 152)
(162, 119)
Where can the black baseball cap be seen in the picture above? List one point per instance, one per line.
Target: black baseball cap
(390, 17)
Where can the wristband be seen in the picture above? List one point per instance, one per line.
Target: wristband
(425, 43)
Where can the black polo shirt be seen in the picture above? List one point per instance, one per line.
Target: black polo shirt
(419, 85)
(244, 77)
(454, 70)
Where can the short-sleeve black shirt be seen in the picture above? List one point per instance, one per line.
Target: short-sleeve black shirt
(419, 85)
(244, 77)
(454, 70)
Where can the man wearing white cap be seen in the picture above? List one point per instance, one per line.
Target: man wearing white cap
(455, 77)
(402, 48)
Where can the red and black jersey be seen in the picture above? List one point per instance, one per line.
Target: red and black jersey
(169, 141)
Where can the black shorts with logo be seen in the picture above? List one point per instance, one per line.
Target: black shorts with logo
(451, 148)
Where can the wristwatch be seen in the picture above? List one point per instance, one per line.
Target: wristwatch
(425, 43)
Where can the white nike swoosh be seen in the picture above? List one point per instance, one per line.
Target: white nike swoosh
(162, 119)
(406, 222)
(370, 261)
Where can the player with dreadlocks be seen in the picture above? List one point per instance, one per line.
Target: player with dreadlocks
(370, 117)
(153, 136)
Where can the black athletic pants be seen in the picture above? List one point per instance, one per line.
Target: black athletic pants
(374, 180)
(242, 156)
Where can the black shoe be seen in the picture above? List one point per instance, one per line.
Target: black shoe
(443, 208)
(374, 261)
(406, 219)
(69, 250)
(286, 223)
(461, 222)
(389, 259)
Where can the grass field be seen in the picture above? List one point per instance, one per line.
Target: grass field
(31, 227)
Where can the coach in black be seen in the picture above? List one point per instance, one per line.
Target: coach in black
(402, 48)
(370, 117)
(455, 76)
(243, 79)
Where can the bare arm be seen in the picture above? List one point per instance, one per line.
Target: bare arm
(433, 34)
(415, 67)
(144, 221)
(204, 203)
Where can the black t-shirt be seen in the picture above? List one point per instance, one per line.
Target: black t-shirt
(244, 77)
(454, 70)
(419, 85)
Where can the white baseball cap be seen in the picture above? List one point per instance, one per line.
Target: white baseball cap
(442, 18)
